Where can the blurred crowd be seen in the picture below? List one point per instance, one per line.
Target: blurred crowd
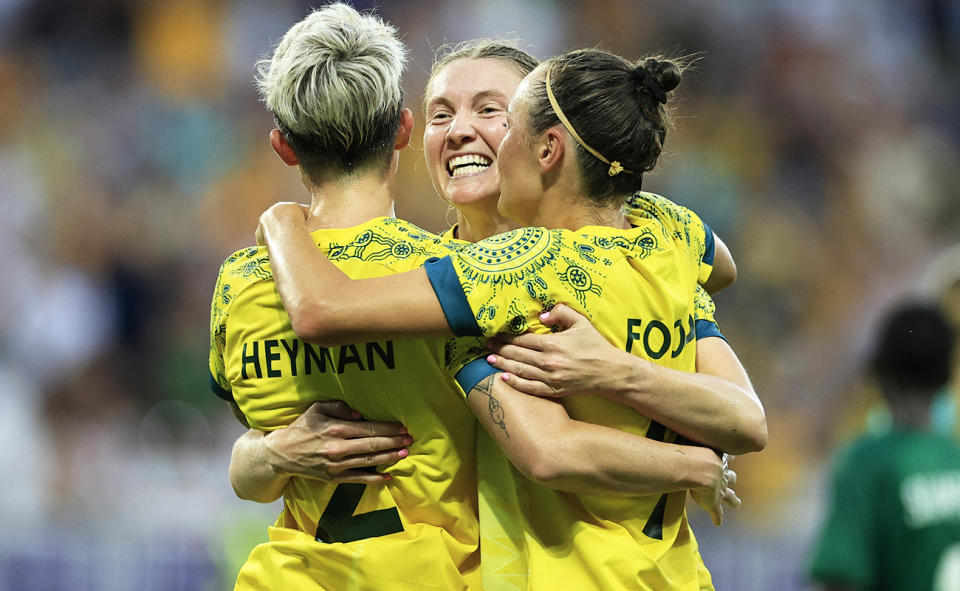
(820, 139)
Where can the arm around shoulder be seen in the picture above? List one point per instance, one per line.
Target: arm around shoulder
(327, 307)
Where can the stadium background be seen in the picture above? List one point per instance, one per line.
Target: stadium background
(820, 139)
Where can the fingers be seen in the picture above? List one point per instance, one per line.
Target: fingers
(716, 514)
(285, 211)
(731, 477)
(334, 408)
(329, 428)
(517, 368)
(359, 476)
(528, 340)
(367, 446)
(369, 460)
(377, 429)
(730, 498)
(517, 353)
(532, 387)
(562, 316)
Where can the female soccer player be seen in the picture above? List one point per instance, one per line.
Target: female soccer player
(644, 300)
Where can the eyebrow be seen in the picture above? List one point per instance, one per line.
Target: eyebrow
(482, 95)
(492, 94)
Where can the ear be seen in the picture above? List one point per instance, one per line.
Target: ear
(550, 149)
(282, 148)
(405, 130)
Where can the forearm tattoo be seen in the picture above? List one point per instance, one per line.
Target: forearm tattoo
(485, 387)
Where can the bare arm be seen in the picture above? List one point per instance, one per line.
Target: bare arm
(724, 269)
(251, 475)
(550, 448)
(327, 442)
(716, 406)
(326, 307)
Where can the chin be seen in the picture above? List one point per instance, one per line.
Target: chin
(513, 214)
(464, 197)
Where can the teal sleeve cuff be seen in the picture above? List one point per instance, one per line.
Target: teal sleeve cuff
(473, 373)
(708, 328)
(456, 308)
(219, 391)
(710, 247)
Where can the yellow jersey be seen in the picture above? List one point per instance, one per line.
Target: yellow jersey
(637, 287)
(417, 531)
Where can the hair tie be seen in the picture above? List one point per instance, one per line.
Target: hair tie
(615, 166)
(650, 84)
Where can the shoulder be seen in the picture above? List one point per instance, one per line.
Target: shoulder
(650, 205)
(525, 254)
(394, 243)
(681, 221)
(510, 253)
(865, 454)
(238, 272)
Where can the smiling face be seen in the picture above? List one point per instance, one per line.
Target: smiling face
(465, 123)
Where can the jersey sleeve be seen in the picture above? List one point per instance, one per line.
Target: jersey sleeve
(218, 337)
(237, 272)
(465, 360)
(683, 222)
(503, 284)
(844, 552)
(703, 315)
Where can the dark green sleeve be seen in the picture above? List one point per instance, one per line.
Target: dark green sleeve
(845, 550)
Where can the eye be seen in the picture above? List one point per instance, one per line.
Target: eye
(492, 109)
(440, 116)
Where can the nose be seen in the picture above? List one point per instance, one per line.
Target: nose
(461, 129)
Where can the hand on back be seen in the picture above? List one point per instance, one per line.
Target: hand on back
(333, 443)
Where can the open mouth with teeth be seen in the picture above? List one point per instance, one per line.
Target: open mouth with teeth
(467, 165)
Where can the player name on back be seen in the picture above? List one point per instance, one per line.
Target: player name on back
(931, 498)
(275, 358)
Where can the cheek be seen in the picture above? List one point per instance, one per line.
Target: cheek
(432, 145)
(495, 134)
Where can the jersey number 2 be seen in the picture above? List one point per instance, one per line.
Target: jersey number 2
(339, 524)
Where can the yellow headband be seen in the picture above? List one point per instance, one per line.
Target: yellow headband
(615, 167)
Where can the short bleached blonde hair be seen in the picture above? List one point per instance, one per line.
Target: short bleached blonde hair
(333, 86)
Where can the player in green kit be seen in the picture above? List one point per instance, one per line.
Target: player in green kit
(634, 279)
(419, 527)
(894, 516)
